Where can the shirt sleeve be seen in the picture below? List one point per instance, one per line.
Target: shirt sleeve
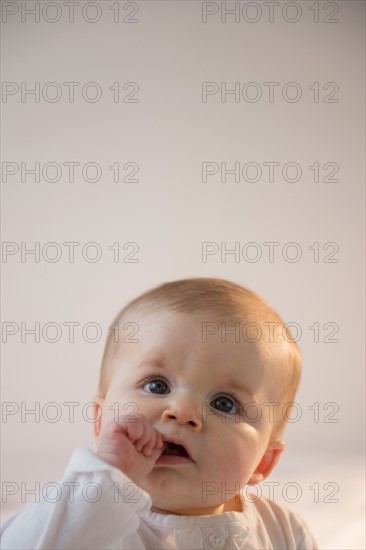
(304, 537)
(284, 527)
(307, 541)
(94, 506)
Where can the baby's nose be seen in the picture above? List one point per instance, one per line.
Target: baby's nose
(184, 412)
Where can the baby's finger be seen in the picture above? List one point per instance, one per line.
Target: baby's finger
(155, 444)
(158, 443)
(145, 438)
(159, 440)
(135, 431)
(150, 445)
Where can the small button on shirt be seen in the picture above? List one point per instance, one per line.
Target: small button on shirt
(216, 540)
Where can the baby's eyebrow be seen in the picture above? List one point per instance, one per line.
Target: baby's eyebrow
(156, 362)
(235, 384)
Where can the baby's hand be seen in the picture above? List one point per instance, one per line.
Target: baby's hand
(130, 444)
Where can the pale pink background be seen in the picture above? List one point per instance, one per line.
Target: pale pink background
(170, 212)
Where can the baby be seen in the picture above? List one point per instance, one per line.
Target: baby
(188, 414)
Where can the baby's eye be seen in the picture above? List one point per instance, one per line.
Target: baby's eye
(224, 404)
(156, 386)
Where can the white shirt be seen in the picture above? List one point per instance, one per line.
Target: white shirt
(95, 506)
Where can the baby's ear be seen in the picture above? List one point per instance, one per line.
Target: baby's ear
(268, 462)
(97, 415)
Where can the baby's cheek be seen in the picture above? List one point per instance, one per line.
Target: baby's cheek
(236, 471)
(240, 457)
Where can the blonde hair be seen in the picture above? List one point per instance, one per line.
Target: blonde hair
(223, 300)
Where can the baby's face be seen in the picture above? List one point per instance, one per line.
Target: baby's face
(197, 393)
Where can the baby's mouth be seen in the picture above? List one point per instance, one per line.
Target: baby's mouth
(174, 449)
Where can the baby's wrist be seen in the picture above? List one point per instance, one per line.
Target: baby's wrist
(109, 458)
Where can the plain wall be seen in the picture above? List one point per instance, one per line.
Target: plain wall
(170, 212)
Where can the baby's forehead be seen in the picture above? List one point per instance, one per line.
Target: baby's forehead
(260, 314)
(260, 331)
(228, 345)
